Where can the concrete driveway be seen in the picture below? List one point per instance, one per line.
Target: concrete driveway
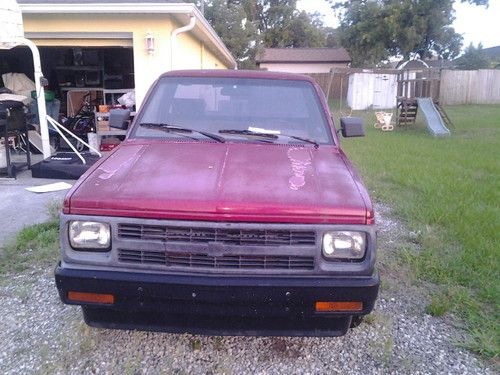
(20, 207)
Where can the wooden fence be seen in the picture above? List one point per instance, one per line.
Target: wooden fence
(470, 87)
(334, 87)
(456, 86)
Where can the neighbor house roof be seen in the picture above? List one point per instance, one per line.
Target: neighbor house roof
(492, 52)
(231, 73)
(181, 11)
(303, 55)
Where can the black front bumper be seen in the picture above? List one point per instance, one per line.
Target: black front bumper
(218, 305)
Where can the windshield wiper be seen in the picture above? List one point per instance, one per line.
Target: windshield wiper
(263, 137)
(179, 129)
(272, 136)
(248, 132)
(307, 140)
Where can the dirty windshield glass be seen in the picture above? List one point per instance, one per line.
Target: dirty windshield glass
(249, 110)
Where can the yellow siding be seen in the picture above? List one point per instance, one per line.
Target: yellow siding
(190, 54)
(210, 61)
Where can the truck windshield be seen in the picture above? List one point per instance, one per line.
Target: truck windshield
(242, 109)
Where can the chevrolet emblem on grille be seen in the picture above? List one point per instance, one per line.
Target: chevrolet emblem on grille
(217, 249)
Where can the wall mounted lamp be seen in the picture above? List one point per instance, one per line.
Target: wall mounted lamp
(150, 43)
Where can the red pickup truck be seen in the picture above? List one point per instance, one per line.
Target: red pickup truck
(230, 208)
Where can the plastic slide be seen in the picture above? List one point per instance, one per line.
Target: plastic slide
(435, 123)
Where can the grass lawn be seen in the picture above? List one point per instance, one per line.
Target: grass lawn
(36, 245)
(447, 190)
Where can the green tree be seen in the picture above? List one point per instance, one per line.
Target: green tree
(301, 31)
(238, 31)
(374, 30)
(473, 58)
(245, 26)
(332, 37)
(275, 17)
(306, 30)
(282, 25)
(362, 31)
(230, 21)
(477, 2)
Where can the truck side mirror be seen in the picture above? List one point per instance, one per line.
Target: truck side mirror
(352, 127)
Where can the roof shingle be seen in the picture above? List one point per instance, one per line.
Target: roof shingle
(302, 55)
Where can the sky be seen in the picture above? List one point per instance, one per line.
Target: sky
(475, 23)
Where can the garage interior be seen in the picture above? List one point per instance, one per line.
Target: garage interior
(83, 85)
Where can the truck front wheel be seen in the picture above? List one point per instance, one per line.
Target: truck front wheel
(356, 320)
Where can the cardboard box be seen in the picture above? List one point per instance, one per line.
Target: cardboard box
(104, 123)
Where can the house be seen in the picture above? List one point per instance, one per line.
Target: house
(114, 46)
(303, 60)
(492, 52)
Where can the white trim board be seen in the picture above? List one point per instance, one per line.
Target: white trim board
(78, 35)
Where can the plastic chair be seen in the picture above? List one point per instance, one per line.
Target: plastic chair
(384, 121)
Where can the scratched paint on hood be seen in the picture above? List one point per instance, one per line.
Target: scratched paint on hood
(247, 182)
(120, 160)
(300, 160)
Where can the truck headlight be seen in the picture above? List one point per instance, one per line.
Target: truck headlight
(346, 245)
(89, 235)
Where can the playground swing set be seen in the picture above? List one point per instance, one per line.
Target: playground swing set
(420, 90)
(416, 89)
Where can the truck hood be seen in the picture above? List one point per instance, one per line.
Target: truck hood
(245, 182)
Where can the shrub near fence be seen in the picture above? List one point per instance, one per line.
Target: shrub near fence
(470, 87)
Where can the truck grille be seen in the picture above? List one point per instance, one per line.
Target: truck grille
(239, 237)
(200, 260)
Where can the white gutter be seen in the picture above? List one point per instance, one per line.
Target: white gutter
(97, 8)
(141, 8)
(173, 38)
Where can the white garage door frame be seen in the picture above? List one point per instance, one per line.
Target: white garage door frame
(116, 39)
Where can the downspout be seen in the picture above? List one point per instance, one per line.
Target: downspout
(40, 97)
(173, 38)
(202, 57)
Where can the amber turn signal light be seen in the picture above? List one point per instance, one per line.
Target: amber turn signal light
(107, 299)
(338, 306)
